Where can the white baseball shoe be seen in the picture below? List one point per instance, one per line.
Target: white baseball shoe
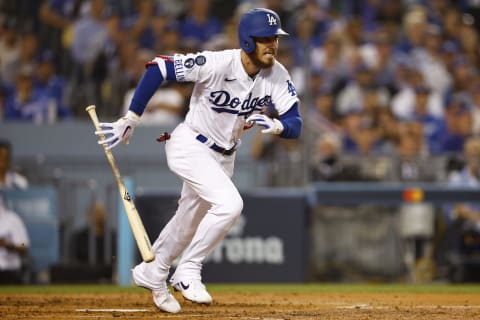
(193, 290)
(165, 301)
(162, 297)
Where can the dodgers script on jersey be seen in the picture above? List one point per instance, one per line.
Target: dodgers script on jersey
(224, 95)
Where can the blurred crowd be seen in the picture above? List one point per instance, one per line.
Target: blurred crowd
(375, 77)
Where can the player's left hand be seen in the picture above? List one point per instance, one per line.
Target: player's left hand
(271, 125)
(112, 133)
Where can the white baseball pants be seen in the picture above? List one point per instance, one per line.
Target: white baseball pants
(208, 207)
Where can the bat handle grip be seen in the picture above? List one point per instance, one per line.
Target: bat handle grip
(91, 110)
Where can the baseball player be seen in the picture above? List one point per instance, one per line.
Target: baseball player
(232, 88)
(14, 244)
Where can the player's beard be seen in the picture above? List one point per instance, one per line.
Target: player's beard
(267, 63)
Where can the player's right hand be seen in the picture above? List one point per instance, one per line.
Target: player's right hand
(112, 133)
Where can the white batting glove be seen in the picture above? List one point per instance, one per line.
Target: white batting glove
(271, 125)
(112, 133)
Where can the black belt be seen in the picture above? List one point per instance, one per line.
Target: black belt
(216, 147)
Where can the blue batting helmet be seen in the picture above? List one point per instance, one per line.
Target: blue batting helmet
(258, 22)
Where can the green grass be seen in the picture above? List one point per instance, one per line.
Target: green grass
(299, 288)
(353, 288)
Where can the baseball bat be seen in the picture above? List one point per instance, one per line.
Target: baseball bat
(136, 224)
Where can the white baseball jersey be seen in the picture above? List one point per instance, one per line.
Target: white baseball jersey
(224, 95)
(13, 230)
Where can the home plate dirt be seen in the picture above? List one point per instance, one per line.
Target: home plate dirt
(248, 306)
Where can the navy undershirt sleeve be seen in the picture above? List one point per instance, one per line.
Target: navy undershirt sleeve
(148, 84)
(292, 123)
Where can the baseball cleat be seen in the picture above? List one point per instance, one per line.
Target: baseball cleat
(162, 297)
(165, 301)
(193, 290)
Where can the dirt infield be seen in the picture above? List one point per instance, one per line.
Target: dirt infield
(245, 305)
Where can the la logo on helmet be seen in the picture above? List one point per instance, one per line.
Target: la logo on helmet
(271, 19)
